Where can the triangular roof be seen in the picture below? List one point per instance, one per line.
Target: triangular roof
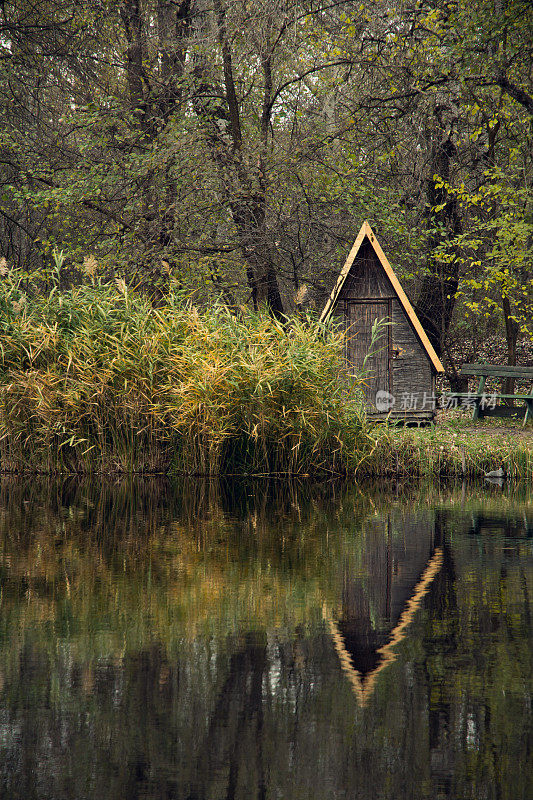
(363, 686)
(367, 231)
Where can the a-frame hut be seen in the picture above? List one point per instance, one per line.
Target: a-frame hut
(402, 367)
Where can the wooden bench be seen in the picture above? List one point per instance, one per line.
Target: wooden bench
(486, 405)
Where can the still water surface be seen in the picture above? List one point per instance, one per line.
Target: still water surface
(199, 641)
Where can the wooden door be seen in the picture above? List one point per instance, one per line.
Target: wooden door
(360, 318)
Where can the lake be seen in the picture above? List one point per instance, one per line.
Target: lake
(265, 641)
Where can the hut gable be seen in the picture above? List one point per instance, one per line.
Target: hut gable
(400, 369)
(369, 280)
(367, 275)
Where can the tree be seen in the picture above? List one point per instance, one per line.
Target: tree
(233, 148)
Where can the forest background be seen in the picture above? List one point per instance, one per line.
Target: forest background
(233, 149)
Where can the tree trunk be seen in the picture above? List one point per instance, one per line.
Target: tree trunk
(174, 24)
(249, 216)
(131, 15)
(512, 330)
(244, 187)
(436, 299)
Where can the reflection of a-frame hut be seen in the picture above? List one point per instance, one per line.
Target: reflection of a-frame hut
(365, 637)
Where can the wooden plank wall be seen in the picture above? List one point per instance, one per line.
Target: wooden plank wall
(366, 278)
(411, 372)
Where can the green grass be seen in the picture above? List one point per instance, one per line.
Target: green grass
(95, 379)
(452, 448)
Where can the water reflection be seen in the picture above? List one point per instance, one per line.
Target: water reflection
(201, 641)
(364, 647)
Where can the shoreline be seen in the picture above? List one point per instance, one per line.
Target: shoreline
(443, 451)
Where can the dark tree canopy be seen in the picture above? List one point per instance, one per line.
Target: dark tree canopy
(234, 148)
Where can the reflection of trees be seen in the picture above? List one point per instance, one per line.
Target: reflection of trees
(179, 552)
(444, 613)
(162, 554)
(232, 751)
(131, 700)
(480, 624)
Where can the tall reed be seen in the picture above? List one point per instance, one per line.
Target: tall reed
(96, 379)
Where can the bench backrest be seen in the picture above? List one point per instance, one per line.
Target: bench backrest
(496, 371)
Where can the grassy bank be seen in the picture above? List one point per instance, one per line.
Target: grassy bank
(95, 379)
(453, 448)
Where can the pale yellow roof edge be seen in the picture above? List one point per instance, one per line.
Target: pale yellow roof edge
(404, 300)
(344, 272)
(366, 230)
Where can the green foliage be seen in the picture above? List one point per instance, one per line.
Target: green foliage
(237, 152)
(496, 255)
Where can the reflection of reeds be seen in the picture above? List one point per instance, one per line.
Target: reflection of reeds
(96, 379)
(136, 560)
(363, 688)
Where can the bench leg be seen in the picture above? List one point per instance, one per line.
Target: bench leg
(529, 412)
(480, 389)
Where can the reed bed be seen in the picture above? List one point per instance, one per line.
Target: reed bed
(95, 379)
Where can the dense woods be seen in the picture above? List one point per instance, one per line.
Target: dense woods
(232, 150)
(180, 184)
